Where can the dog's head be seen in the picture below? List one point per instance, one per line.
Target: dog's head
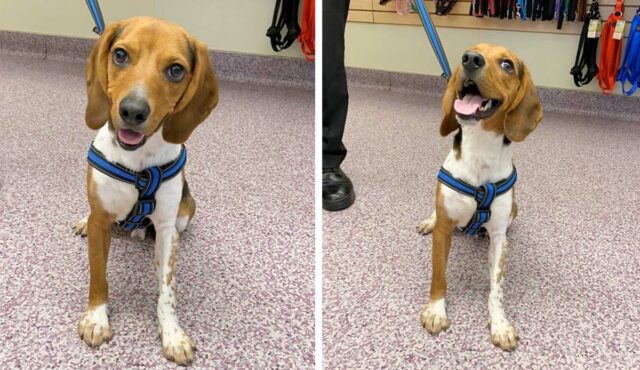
(146, 74)
(491, 87)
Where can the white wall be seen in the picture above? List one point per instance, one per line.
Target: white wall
(235, 26)
(407, 49)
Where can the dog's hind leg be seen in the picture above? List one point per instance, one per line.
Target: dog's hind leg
(187, 207)
(80, 228)
(426, 226)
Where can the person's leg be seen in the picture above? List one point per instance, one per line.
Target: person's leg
(335, 97)
(337, 190)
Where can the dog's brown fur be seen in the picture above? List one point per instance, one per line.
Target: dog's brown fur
(177, 108)
(520, 111)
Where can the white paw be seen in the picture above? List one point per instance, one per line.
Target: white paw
(503, 334)
(93, 327)
(80, 227)
(426, 226)
(177, 346)
(434, 317)
(139, 234)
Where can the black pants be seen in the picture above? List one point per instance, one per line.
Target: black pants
(335, 98)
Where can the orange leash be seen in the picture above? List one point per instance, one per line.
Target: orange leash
(307, 36)
(610, 51)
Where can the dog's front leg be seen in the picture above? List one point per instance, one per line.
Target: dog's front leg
(434, 314)
(503, 334)
(176, 344)
(94, 327)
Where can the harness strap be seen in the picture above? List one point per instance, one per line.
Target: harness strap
(587, 49)
(147, 182)
(288, 16)
(610, 51)
(484, 196)
(630, 69)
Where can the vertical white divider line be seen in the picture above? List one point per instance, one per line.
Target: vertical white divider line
(318, 188)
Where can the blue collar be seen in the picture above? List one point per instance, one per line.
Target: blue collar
(484, 195)
(146, 181)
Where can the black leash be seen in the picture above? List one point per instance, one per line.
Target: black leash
(285, 14)
(443, 7)
(587, 48)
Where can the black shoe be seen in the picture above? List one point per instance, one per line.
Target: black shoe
(337, 190)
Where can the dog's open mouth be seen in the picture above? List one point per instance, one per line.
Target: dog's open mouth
(129, 139)
(472, 105)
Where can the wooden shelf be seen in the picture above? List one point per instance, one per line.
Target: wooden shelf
(370, 11)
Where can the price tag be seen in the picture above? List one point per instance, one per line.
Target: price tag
(619, 31)
(595, 27)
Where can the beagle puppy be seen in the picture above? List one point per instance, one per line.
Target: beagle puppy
(149, 85)
(491, 102)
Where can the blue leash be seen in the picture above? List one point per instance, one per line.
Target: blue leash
(630, 70)
(484, 196)
(96, 14)
(432, 34)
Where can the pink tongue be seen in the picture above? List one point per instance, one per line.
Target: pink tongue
(469, 105)
(130, 137)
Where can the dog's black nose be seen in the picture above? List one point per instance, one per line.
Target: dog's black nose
(134, 110)
(472, 60)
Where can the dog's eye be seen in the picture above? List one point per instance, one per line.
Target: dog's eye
(120, 57)
(507, 65)
(175, 73)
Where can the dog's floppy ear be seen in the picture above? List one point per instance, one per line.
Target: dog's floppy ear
(98, 104)
(525, 111)
(449, 122)
(198, 100)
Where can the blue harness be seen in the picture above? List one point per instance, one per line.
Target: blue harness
(630, 69)
(484, 195)
(146, 181)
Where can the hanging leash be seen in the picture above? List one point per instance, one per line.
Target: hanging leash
(588, 47)
(96, 14)
(612, 32)
(444, 7)
(432, 34)
(630, 69)
(284, 14)
(307, 36)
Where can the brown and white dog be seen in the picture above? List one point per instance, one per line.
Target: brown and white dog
(149, 85)
(490, 101)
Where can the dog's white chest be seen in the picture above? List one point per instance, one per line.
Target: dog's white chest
(484, 158)
(117, 197)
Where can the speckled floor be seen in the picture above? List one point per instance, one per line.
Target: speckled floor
(245, 269)
(571, 286)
